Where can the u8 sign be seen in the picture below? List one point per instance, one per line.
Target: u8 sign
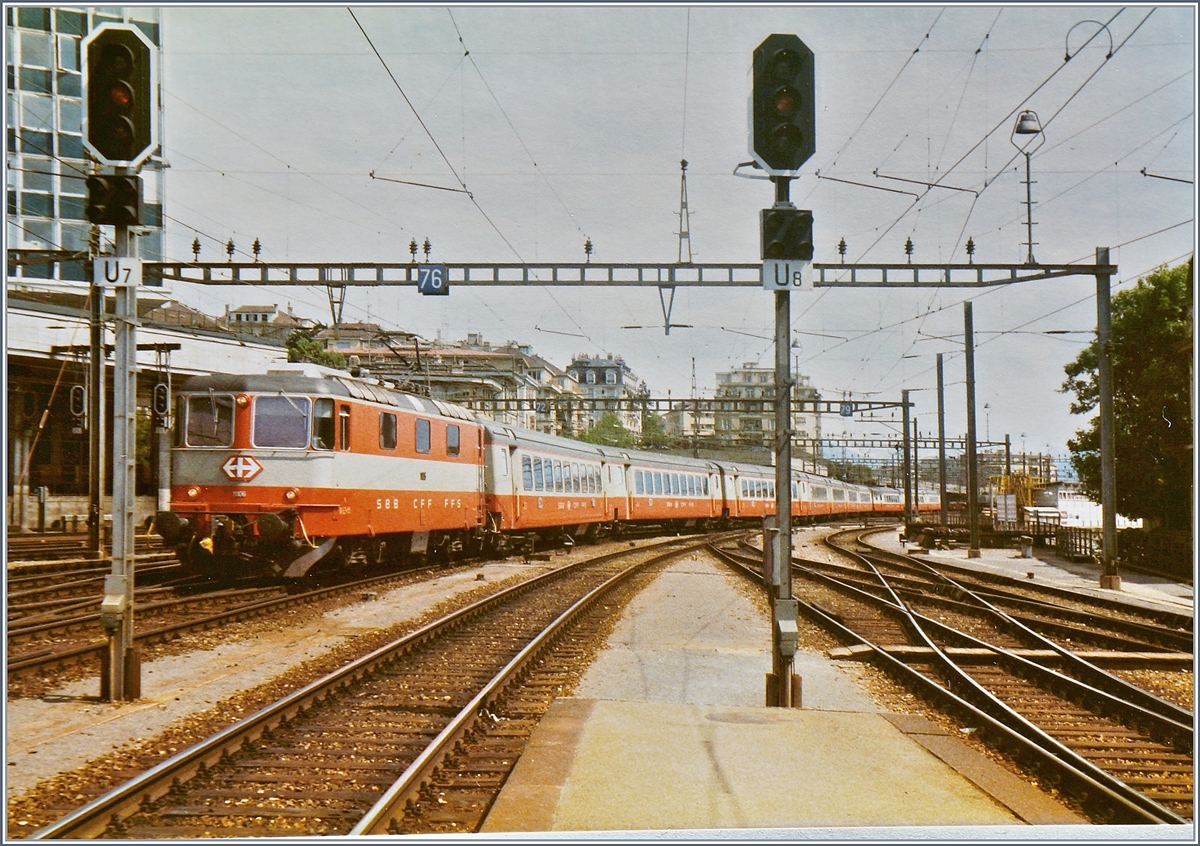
(433, 279)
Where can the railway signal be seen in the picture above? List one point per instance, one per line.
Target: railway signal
(783, 105)
(120, 118)
(114, 200)
(787, 234)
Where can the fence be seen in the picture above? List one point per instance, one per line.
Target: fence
(1077, 542)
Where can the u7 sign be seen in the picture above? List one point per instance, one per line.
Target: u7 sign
(432, 279)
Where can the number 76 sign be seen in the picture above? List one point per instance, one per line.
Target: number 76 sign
(433, 279)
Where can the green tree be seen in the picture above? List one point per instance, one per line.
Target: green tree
(301, 346)
(1151, 357)
(609, 432)
(654, 432)
(849, 471)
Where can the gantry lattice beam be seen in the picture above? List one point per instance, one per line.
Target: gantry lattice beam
(569, 274)
(658, 405)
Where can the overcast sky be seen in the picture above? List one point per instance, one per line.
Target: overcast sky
(567, 123)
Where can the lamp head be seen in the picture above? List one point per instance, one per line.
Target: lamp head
(1028, 123)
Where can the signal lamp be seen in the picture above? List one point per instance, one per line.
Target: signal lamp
(114, 200)
(787, 234)
(783, 107)
(119, 109)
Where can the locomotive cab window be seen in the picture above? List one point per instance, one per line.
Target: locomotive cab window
(422, 436)
(387, 430)
(451, 440)
(210, 420)
(281, 421)
(322, 432)
(344, 427)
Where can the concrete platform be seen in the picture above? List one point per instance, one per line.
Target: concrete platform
(667, 733)
(605, 765)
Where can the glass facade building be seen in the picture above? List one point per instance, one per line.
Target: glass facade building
(46, 163)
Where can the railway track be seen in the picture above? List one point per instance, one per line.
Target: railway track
(417, 736)
(77, 639)
(66, 547)
(36, 594)
(1123, 753)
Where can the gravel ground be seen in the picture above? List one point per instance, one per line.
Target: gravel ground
(67, 747)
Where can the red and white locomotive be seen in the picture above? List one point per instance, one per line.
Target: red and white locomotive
(301, 466)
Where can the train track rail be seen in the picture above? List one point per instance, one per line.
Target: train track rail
(82, 641)
(855, 540)
(29, 595)
(1123, 753)
(417, 736)
(1147, 636)
(52, 547)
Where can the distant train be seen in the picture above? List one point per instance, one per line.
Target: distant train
(277, 473)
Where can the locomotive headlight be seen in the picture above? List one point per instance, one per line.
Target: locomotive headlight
(193, 492)
(242, 400)
(290, 495)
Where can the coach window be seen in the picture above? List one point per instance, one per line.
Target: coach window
(638, 486)
(387, 430)
(537, 474)
(343, 427)
(322, 437)
(422, 435)
(558, 483)
(210, 420)
(281, 421)
(658, 484)
(451, 440)
(527, 473)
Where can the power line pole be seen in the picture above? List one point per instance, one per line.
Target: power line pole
(943, 499)
(907, 461)
(972, 461)
(96, 421)
(1108, 481)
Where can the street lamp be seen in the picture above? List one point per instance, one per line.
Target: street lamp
(987, 421)
(1030, 128)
